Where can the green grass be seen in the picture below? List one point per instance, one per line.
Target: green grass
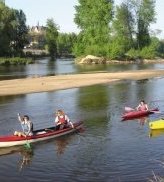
(15, 61)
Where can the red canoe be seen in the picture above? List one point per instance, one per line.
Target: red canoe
(39, 135)
(138, 114)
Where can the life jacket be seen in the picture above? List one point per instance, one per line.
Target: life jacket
(62, 120)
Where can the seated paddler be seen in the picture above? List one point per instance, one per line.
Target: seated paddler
(27, 126)
(62, 120)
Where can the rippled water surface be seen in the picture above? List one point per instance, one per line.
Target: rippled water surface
(46, 66)
(107, 150)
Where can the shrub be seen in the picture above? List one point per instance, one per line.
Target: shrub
(15, 61)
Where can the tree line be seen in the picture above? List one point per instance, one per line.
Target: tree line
(14, 35)
(13, 31)
(114, 32)
(121, 32)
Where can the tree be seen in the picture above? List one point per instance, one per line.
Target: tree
(93, 18)
(6, 17)
(13, 31)
(131, 29)
(20, 32)
(144, 13)
(123, 30)
(65, 43)
(51, 37)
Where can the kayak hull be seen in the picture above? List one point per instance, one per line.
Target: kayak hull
(137, 114)
(158, 124)
(39, 135)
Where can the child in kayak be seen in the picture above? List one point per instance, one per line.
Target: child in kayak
(62, 121)
(27, 126)
(142, 106)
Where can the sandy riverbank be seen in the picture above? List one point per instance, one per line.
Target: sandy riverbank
(52, 83)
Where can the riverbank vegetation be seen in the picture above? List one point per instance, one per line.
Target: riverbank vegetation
(15, 61)
(121, 32)
(13, 31)
(113, 32)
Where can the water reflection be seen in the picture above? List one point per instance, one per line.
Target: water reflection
(61, 144)
(141, 120)
(48, 66)
(95, 99)
(25, 154)
(10, 98)
(106, 150)
(156, 133)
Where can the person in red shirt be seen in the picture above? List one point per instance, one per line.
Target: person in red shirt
(142, 106)
(62, 120)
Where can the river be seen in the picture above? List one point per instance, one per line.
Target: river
(107, 149)
(47, 67)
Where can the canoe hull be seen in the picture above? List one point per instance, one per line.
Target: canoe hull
(158, 124)
(137, 114)
(44, 134)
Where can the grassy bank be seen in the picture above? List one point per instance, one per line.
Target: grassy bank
(15, 61)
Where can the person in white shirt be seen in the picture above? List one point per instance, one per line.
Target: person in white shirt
(27, 126)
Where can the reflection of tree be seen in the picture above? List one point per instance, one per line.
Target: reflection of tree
(27, 154)
(6, 99)
(51, 65)
(96, 97)
(94, 101)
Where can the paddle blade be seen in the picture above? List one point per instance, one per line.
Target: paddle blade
(27, 145)
(128, 109)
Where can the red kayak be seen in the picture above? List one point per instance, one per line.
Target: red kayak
(137, 114)
(39, 135)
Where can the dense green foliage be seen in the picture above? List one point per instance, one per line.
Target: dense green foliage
(121, 32)
(15, 61)
(51, 37)
(117, 33)
(93, 18)
(65, 43)
(13, 31)
(123, 28)
(144, 15)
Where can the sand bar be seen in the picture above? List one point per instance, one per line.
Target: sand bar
(60, 82)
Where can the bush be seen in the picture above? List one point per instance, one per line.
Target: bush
(133, 54)
(15, 61)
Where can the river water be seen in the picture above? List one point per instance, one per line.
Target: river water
(44, 67)
(107, 149)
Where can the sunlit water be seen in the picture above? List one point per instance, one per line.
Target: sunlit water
(107, 150)
(45, 66)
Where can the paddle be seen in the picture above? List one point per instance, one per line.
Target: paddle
(156, 110)
(128, 109)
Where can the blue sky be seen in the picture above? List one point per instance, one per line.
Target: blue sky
(62, 11)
